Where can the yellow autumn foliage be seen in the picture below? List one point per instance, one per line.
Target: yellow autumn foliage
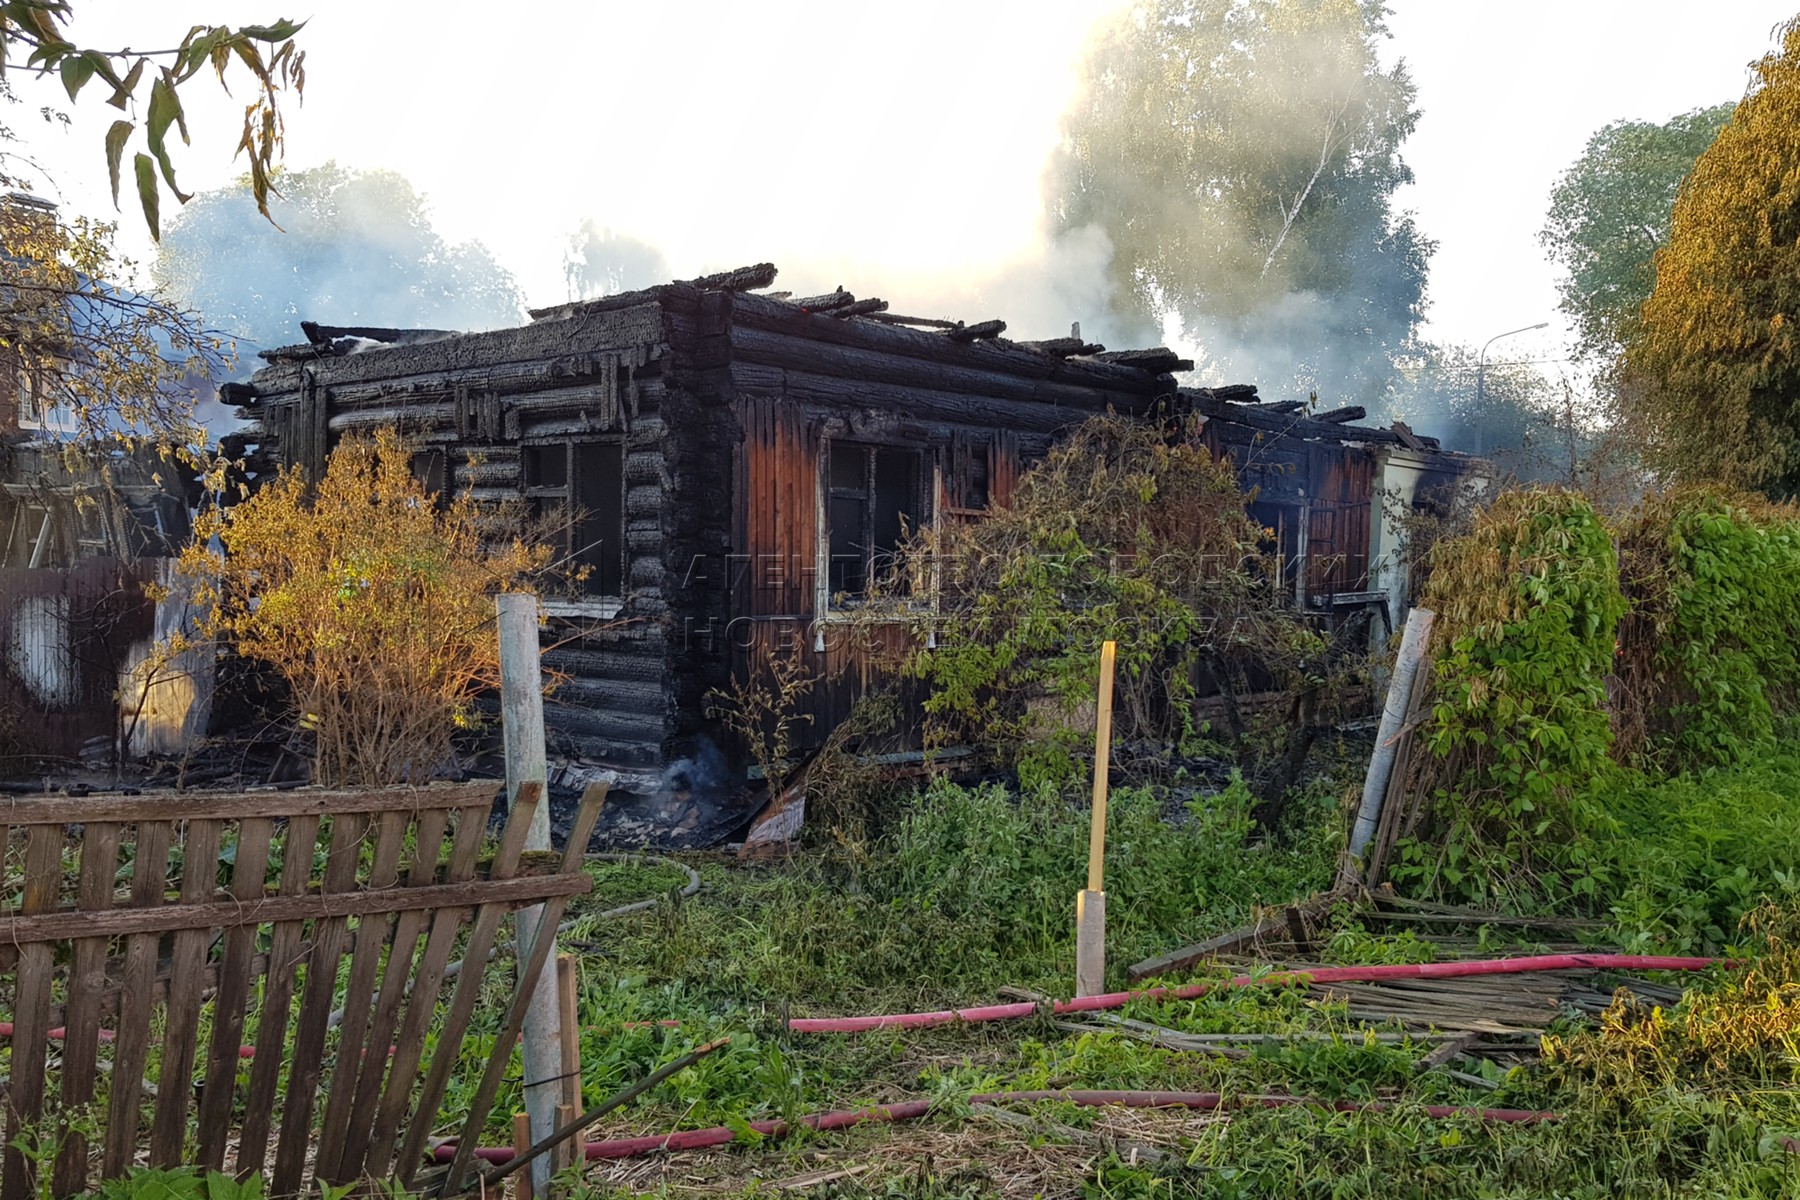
(1712, 385)
(372, 600)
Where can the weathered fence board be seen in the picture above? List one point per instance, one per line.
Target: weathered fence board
(358, 932)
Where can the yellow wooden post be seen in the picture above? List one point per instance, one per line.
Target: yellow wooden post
(1090, 904)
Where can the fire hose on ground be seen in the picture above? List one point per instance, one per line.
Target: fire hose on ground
(694, 1139)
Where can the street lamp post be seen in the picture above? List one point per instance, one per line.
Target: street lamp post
(1481, 381)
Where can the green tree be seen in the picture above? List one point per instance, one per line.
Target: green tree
(1242, 156)
(1609, 214)
(358, 248)
(1713, 370)
(266, 53)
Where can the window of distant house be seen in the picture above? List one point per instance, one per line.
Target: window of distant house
(37, 406)
(873, 493)
(578, 490)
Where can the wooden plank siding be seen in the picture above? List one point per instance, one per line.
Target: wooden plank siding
(65, 636)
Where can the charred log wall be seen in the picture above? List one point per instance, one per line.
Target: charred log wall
(487, 401)
(976, 414)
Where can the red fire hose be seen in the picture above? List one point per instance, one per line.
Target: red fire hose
(907, 1110)
(1191, 991)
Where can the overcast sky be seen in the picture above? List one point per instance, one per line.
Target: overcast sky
(899, 143)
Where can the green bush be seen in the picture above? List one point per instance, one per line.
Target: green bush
(1692, 855)
(1710, 657)
(1528, 603)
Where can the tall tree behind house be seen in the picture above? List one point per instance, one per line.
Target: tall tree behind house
(1242, 157)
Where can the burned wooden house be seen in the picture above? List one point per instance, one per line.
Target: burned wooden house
(739, 461)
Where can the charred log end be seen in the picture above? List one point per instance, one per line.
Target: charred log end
(1067, 347)
(976, 332)
(1157, 360)
(861, 308)
(740, 279)
(826, 303)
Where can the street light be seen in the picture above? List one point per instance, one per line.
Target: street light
(1481, 380)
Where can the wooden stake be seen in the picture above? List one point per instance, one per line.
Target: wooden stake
(568, 979)
(1102, 768)
(565, 1155)
(1090, 905)
(522, 1144)
(522, 730)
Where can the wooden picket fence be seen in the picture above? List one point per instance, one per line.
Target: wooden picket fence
(148, 938)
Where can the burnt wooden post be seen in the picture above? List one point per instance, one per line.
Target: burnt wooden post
(522, 716)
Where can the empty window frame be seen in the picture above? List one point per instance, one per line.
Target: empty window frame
(430, 470)
(872, 495)
(579, 488)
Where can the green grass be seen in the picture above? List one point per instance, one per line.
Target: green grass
(972, 889)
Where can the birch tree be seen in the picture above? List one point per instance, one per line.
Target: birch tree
(1242, 156)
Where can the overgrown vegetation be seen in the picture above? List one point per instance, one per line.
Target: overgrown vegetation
(373, 601)
(1694, 1100)
(1528, 602)
(1607, 727)
(1708, 661)
(1133, 533)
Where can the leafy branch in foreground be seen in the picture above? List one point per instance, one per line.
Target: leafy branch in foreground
(267, 52)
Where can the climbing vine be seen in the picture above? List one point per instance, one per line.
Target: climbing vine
(1528, 603)
(1708, 658)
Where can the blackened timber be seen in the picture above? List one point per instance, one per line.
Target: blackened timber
(974, 375)
(1239, 393)
(1342, 416)
(888, 340)
(861, 308)
(1157, 360)
(319, 334)
(740, 279)
(1259, 419)
(1063, 347)
(1283, 406)
(469, 355)
(921, 401)
(826, 303)
(887, 318)
(976, 332)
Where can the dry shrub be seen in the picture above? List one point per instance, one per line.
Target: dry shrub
(761, 708)
(374, 603)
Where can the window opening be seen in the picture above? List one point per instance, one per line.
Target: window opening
(873, 497)
(579, 487)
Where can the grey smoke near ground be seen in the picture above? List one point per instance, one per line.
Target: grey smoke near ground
(705, 772)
